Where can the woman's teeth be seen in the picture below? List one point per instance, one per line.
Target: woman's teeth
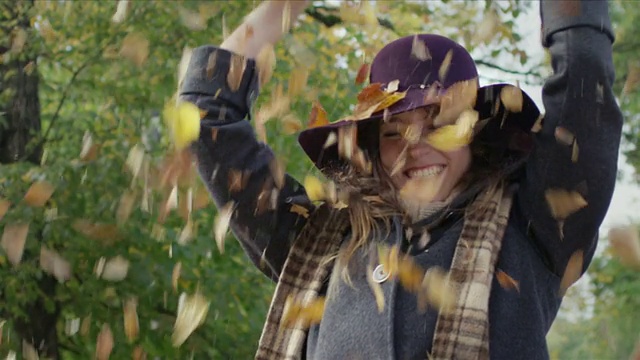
(430, 171)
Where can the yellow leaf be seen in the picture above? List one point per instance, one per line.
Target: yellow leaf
(175, 275)
(135, 47)
(512, 98)
(572, 272)
(564, 203)
(444, 68)
(192, 312)
(447, 138)
(298, 81)
(302, 315)
(436, 291)
(266, 63)
(39, 193)
(564, 136)
(13, 239)
(290, 124)
(300, 210)
(131, 325)
(318, 116)
(314, 188)
(390, 100)
(121, 11)
(184, 123)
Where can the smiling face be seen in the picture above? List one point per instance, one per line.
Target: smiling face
(406, 157)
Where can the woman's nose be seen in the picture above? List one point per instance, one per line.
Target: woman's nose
(419, 149)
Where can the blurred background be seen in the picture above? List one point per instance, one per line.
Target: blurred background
(106, 230)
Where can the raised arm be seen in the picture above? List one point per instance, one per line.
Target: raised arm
(578, 98)
(228, 150)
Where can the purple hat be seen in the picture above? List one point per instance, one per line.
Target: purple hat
(422, 74)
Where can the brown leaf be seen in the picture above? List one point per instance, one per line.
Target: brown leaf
(39, 193)
(221, 224)
(131, 325)
(512, 98)
(487, 29)
(419, 49)
(290, 124)
(625, 245)
(236, 70)
(363, 73)
(564, 203)
(89, 151)
(347, 137)
(125, 206)
(537, 126)
(4, 207)
(13, 240)
(238, 179)
(574, 152)
(633, 78)
(444, 68)
(436, 291)
(303, 315)
(175, 275)
(211, 65)
(318, 116)
(298, 81)
(266, 64)
(53, 264)
(115, 269)
(104, 343)
(192, 20)
(135, 47)
(564, 136)
(97, 231)
(572, 272)
(139, 353)
(277, 167)
(459, 97)
(506, 281)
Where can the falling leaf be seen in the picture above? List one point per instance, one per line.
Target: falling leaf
(104, 343)
(139, 353)
(633, 78)
(18, 40)
(183, 65)
(444, 68)
(298, 81)
(564, 136)
(135, 47)
(400, 162)
(290, 124)
(266, 63)
(221, 224)
(506, 281)
(115, 269)
(625, 245)
(300, 210)
(184, 123)
(318, 116)
(419, 49)
(388, 101)
(175, 275)
(13, 240)
(574, 152)
(186, 235)
(488, 27)
(97, 231)
(125, 206)
(89, 151)
(332, 138)
(28, 351)
(131, 325)
(537, 126)
(314, 188)
(564, 203)
(192, 20)
(436, 291)
(295, 313)
(347, 137)
(363, 73)
(135, 160)
(393, 86)
(121, 11)
(53, 264)
(237, 179)
(39, 193)
(192, 312)
(448, 138)
(237, 65)
(512, 98)
(4, 207)
(572, 272)
(286, 17)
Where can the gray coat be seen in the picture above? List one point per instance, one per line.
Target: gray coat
(578, 97)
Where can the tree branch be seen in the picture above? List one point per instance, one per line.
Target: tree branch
(509, 71)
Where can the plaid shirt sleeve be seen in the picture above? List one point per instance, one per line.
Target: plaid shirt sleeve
(228, 152)
(578, 100)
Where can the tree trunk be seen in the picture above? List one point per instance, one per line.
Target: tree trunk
(20, 141)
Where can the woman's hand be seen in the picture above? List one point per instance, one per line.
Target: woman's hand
(264, 25)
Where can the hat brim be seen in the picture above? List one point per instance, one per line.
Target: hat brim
(499, 128)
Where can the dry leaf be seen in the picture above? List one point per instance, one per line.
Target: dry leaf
(314, 188)
(512, 98)
(28, 351)
(392, 86)
(4, 207)
(237, 179)
(302, 315)
(572, 272)
(193, 20)
(300, 210)
(187, 233)
(192, 312)
(318, 116)
(537, 126)
(266, 63)
(18, 40)
(347, 137)
(277, 168)
(131, 325)
(139, 353)
(574, 152)
(13, 240)
(125, 206)
(39, 193)
(135, 47)
(298, 81)
(121, 11)
(103, 232)
(236, 70)
(506, 281)
(53, 264)
(135, 159)
(175, 275)
(419, 49)
(488, 28)
(363, 73)
(564, 203)
(444, 68)
(449, 138)
(633, 78)
(332, 139)
(436, 291)
(89, 151)
(183, 121)
(221, 224)
(400, 162)
(458, 98)
(290, 124)
(625, 245)
(564, 136)
(115, 269)
(286, 17)
(104, 343)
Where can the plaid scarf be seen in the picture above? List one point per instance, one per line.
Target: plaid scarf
(460, 334)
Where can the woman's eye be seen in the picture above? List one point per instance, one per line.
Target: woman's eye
(391, 134)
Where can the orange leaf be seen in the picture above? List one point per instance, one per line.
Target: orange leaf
(104, 343)
(564, 136)
(625, 245)
(572, 272)
(507, 281)
(564, 203)
(318, 116)
(300, 210)
(52, 263)
(131, 325)
(363, 73)
(39, 193)
(4, 207)
(13, 239)
(305, 315)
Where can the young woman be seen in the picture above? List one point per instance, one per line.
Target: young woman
(489, 213)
